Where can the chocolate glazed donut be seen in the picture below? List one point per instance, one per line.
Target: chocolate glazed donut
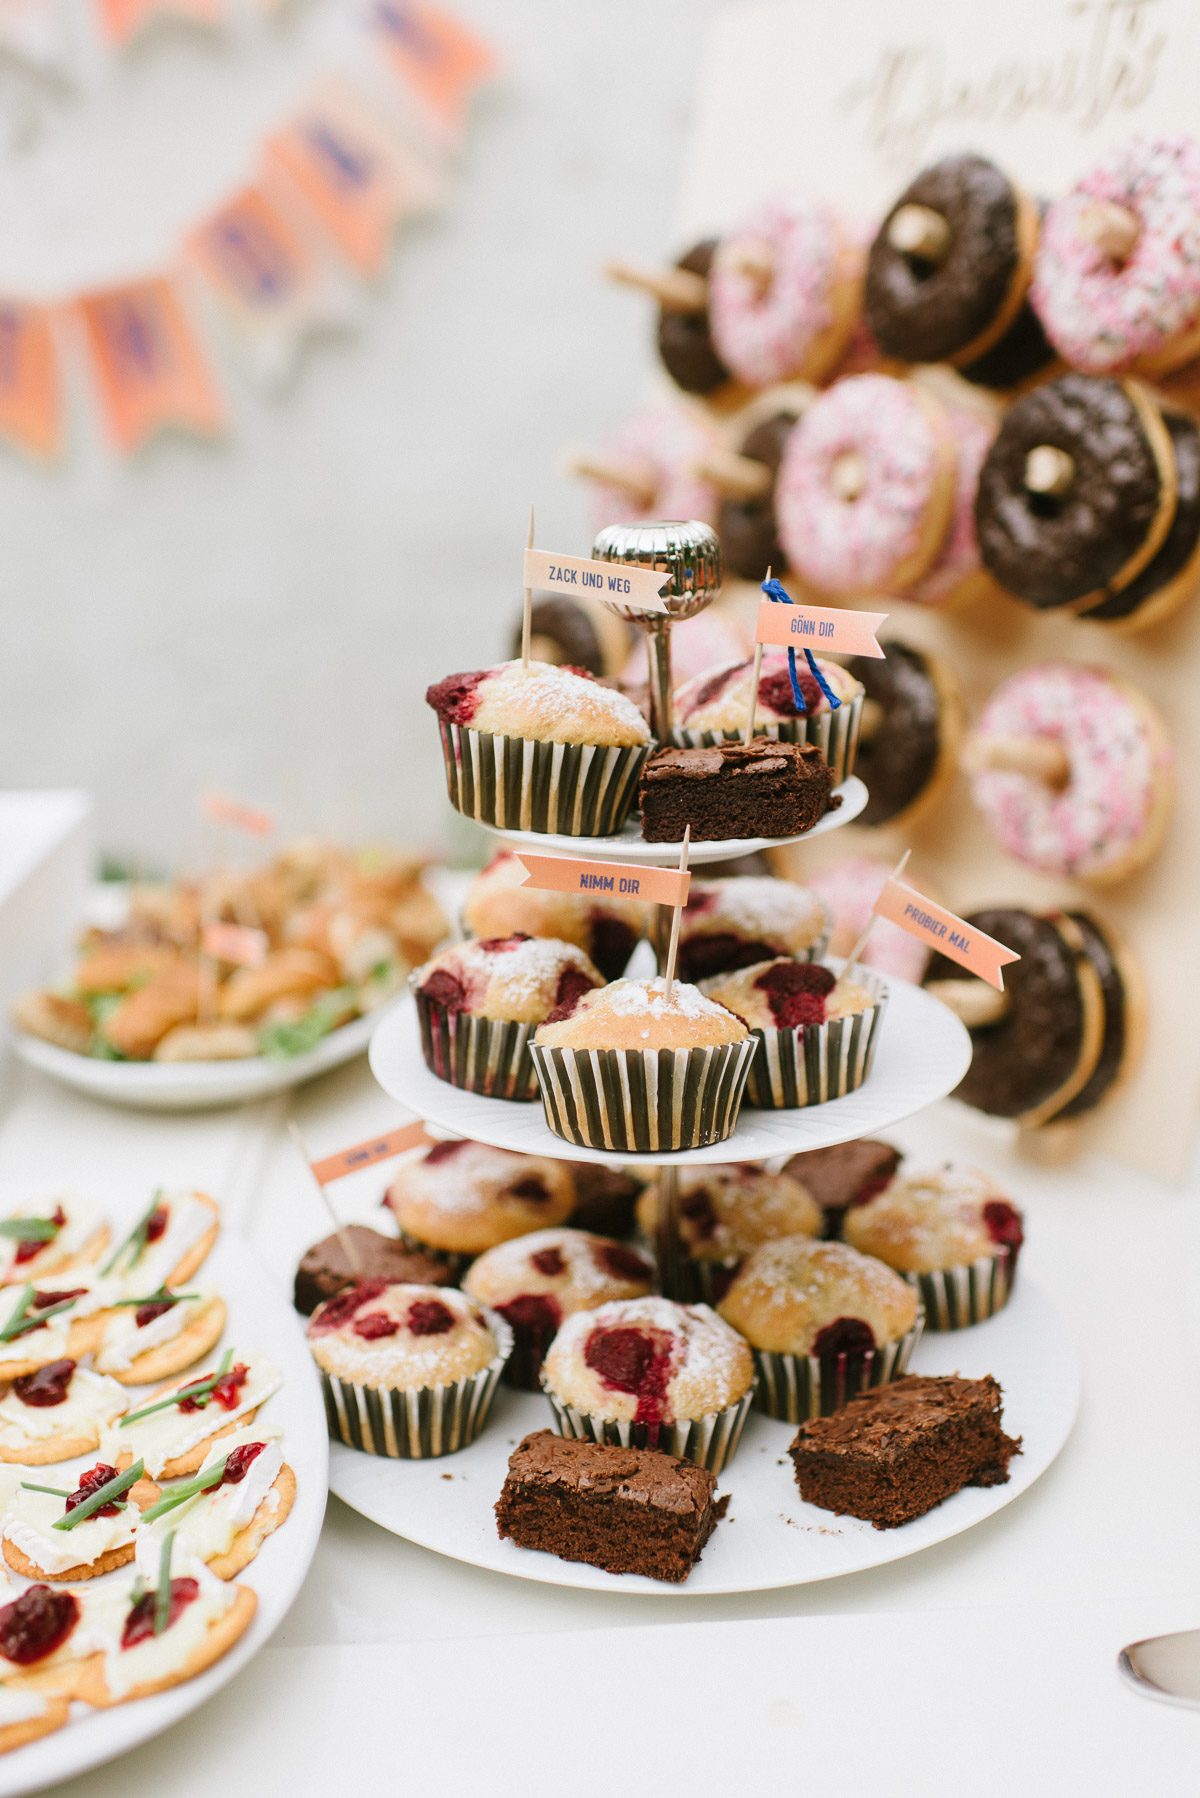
(1078, 492)
(948, 274)
(576, 634)
(912, 720)
(1172, 574)
(685, 344)
(1043, 1047)
(1120, 992)
(746, 526)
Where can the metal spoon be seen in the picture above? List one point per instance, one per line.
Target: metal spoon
(1165, 1666)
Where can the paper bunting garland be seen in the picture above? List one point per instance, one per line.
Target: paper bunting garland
(279, 256)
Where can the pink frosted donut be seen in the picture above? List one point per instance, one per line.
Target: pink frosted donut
(660, 443)
(796, 325)
(850, 888)
(885, 533)
(1110, 815)
(1104, 315)
(958, 565)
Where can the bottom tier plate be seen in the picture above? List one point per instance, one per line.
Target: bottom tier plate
(770, 1537)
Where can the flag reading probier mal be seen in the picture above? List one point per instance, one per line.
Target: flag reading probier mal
(942, 930)
(549, 572)
(612, 880)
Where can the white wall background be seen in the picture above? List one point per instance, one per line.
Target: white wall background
(265, 613)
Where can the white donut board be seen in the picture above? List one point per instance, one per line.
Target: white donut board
(793, 99)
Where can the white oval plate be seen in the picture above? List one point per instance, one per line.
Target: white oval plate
(770, 1537)
(193, 1085)
(922, 1054)
(261, 1320)
(630, 846)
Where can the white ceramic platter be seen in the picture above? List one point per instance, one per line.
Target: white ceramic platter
(770, 1537)
(262, 1321)
(630, 846)
(193, 1085)
(922, 1054)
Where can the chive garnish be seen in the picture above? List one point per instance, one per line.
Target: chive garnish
(30, 1486)
(180, 1494)
(136, 1236)
(32, 1320)
(30, 1229)
(14, 1325)
(162, 1598)
(199, 1389)
(103, 1495)
(162, 1296)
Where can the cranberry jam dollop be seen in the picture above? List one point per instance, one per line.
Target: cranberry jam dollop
(139, 1625)
(146, 1314)
(91, 1482)
(37, 1623)
(239, 1461)
(634, 1361)
(46, 1386)
(225, 1393)
(33, 1245)
(796, 992)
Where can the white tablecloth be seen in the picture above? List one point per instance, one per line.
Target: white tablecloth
(987, 1660)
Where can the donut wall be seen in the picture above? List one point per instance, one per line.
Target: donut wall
(848, 105)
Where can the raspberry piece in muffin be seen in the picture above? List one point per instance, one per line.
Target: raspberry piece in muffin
(725, 1212)
(788, 995)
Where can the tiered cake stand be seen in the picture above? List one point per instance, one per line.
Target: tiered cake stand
(769, 1537)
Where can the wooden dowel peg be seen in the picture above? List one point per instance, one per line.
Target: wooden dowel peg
(848, 476)
(738, 477)
(527, 608)
(343, 1235)
(973, 1002)
(919, 231)
(1049, 470)
(1041, 758)
(677, 917)
(1113, 229)
(675, 289)
(754, 680)
(634, 478)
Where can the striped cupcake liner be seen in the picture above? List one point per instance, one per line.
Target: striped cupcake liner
(954, 1297)
(818, 1061)
(835, 734)
(795, 1388)
(482, 1055)
(516, 783)
(709, 1441)
(643, 1099)
(417, 1425)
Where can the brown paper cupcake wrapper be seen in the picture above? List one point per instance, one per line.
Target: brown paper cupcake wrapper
(795, 1388)
(819, 1062)
(417, 1425)
(954, 1297)
(643, 1099)
(688, 1279)
(709, 1441)
(834, 733)
(482, 1055)
(517, 783)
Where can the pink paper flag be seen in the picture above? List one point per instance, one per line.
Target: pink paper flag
(819, 627)
(439, 59)
(122, 19)
(366, 1154)
(617, 880)
(149, 368)
(30, 395)
(942, 930)
(618, 581)
(223, 809)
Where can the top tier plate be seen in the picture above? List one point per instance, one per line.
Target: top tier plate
(630, 846)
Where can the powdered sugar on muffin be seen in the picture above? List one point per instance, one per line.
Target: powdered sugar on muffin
(640, 1014)
(401, 1337)
(789, 995)
(800, 1297)
(519, 978)
(548, 703)
(948, 1217)
(465, 1197)
(648, 1360)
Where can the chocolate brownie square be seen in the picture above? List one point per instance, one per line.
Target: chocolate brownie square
(756, 789)
(897, 1451)
(627, 1510)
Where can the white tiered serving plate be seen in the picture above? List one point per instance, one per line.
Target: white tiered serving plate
(262, 1321)
(630, 846)
(922, 1054)
(770, 1537)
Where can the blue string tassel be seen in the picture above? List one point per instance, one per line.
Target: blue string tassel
(776, 590)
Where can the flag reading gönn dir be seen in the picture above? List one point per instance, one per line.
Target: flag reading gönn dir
(619, 581)
(942, 930)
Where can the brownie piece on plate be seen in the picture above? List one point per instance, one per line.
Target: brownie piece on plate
(627, 1510)
(325, 1271)
(756, 789)
(896, 1451)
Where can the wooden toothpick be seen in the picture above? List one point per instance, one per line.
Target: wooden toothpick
(758, 649)
(343, 1235)
(857, 950)
(673, 945)
(527, 612)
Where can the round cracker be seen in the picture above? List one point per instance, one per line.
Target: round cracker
(16, 1735)
(47, 1450)
(111, 1559)
(194, 1459)
(265, 1522)
(85, 1256)
(198, 1254)
(176, 1356)
(220, 1639)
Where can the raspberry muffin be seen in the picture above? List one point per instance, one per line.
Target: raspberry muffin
(535, 1281)
(478, 1004)
(814, 1029)
(459, 1199)
(607, 930)
(715, 706)
(539, 747)
(824, 1322)
(724, 1214)
(647, 1373)
(952, 1233)
(604, 1197)
(729, 924)
(636, 1067)
(407, 1371)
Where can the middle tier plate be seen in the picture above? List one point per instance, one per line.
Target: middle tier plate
(922, 1054)
(628, 845)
